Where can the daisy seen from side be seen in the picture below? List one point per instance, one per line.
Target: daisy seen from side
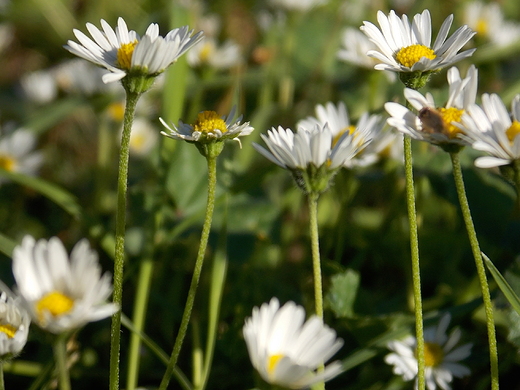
(367, 129)
(436, 125)
(492, 129)
(407, 48)
(17, 153)
(14, 326)
(61, 294)
(209, 129)
(286, 350)
(123, 52)
(442, 356)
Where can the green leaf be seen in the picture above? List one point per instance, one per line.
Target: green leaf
(6, 245)
(61, 197)
(504, 286)
(342, 293)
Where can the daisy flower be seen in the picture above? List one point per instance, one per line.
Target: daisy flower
(61, 294)
(442, 357)
(297, 5)
(286, 350)
(124, 52)
(337, 119)
(493, 130)
(208, 52)
(14, 326)
(355, 46)
(488, 21)
(17, 155)
(209, 127)
(407, 48)
(437, 125)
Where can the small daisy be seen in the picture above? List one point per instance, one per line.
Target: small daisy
(493, 130)
(209, 53)
(286, 350)
(407, 48)
(61, 295)
(297, 5)
(14, 326)
(488, 21)
(441, 356)
(209, 127)
(17, 155)
(143, 137)
(122, 51)
(337, 119)
(439, 126)
(355, 46)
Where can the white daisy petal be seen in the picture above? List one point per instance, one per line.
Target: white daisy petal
(286, 351)
(63, 295)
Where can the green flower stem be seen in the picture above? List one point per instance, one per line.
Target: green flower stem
(481, 271)
(141, 303)
(212, 184)
(60, 355)
(315, 249)
(316, 266)
(416, 270)
(516, 170)
(2, 385)
(115, 339)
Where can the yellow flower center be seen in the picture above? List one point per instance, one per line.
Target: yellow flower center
(350, 129)
(512, 132)
(273, 362)
(450, 115)
(440, 121)
(137, 141)
(124, 55)
(481, 27)
(55, 303)
(116, 111)
(433, 354)
(7, 162)
(208, 122)
(8, 329)
(206, 52)
(409, 55)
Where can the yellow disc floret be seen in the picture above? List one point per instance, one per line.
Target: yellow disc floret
(482, 27)
(450, 115)
(512, 132)
(8, 329)
(55, 303)
(7, 162)
(124, 55)
(349, 129)
(433, 354)
(206, 52)
(409, 55)
(209, 122)
(273, 362)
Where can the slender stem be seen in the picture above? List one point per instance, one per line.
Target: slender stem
(60, 354)
(141, 302)
(212, 183)
(481, 271)
(2, 385)
(115, 339)
(316, 265)
(315, 249)
(416, 270)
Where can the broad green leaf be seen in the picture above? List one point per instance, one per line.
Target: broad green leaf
(504, 286)
(342, 293)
